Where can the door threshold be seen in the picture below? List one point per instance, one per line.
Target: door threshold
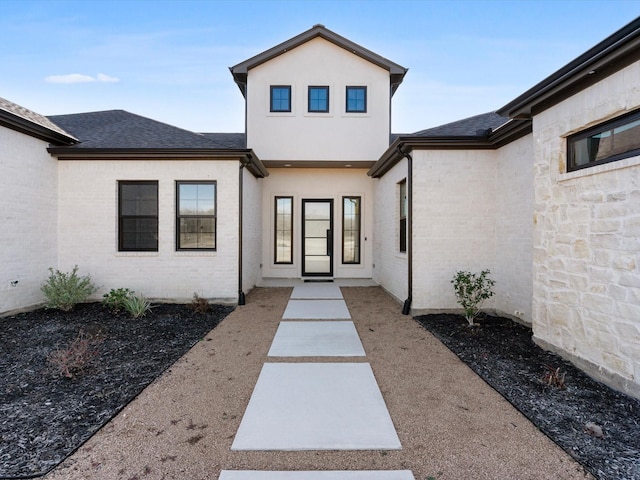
(318, 280)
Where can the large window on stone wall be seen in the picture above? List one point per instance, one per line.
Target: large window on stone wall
(283, 230)
(351, 224)
(138, 216)
(607, 142)
(402, 186)
(195, 215)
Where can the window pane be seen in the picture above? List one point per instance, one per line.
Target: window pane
(351, 230)
(138, 216)
(283, 230)
(356, 99)
(281, 99)
(139, 234)
(318, 99)
(138, 199)
(196, 223)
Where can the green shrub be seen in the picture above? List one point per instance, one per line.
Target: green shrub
(64, 290)
(114, 300)
(471, 291)
(137, 306)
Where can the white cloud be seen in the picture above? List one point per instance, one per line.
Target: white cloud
(80, 78)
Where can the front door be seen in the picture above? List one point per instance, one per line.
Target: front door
(317, 237)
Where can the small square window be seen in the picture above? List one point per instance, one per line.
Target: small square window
(356, 99)
(280, 98)
(318, 99)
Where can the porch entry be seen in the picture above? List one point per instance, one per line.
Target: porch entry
(317, 237)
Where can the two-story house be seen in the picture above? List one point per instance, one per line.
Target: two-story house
(543, 192)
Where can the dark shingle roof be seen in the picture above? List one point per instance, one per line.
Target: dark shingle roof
(118, 129)
(476, 126)
(229, 140)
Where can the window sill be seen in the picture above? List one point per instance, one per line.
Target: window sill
(195, 253)
(137, 254)
(605, 167)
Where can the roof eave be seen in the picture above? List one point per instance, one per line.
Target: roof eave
(22, 125)
(246, 156)
(608, 56)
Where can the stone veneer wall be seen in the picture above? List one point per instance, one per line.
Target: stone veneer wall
(586, 287)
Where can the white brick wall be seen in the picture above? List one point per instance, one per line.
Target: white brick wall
(586, 289)
(88, 205)
(251, 231)
(390, 265)
(454, 222)
(28, 219)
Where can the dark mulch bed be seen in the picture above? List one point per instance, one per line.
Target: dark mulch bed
(503, 354)
(44, 416)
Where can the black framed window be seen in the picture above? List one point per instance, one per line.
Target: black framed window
(195, 215)
(318, 99)
(356, 99)
(283, 230)
(351, 224)
(280, 100)
(403, 215)
(138, 216)
(604, 143)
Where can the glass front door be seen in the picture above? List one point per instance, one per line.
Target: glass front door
(317, 237)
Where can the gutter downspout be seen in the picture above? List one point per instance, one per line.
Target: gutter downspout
(241, 297)
(406, 308)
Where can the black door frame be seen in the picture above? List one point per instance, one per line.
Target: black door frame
(330, 249)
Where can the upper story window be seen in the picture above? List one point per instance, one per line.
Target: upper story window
(319, 99)
(196, 215)
(138, 216)
(607, 142)
(356, 100)
(280, 98)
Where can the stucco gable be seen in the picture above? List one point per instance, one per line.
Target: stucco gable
(241, 70)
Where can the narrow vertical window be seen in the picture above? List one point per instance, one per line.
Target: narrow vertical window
(284, 230)
(351, 223)
(138, 216)
(196, 215)
(403, 216)
(356, 100)
(318, 99)
(280, 98)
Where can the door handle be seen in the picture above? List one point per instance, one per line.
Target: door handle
(329, 243)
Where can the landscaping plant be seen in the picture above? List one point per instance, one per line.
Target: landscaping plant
(137, 305)
(64, 290)
(199, 304)
(471, 291)
(73, 359)
(114, 300)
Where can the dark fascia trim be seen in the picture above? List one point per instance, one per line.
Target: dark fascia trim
(246, 156)
(612, 54)
(22, 125)
(241, 70)
(492, 140)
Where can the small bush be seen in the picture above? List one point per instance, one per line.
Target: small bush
(72, 360)
(137, 306)
(554, 378)
(471, 291)
(114, 300)
(199, 304)
(64, 290)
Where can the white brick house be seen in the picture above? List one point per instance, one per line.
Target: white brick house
(544, 192)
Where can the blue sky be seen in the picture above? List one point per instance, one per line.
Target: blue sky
(168, 60)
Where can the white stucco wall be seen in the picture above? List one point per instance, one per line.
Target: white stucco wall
(28, 219)
(586, 289)
(300, 135)
(309, 183)
(512, 269)
(390, 269)
(251, 231)
(88, 233)
(454, 222)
